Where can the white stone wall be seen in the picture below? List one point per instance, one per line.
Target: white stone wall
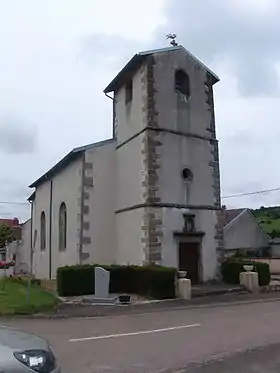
(176, 153)
(130, 120)
(67, 189)
(169, 105)
(129, 177)
(41, 258)
(129, 117)
(130, 247)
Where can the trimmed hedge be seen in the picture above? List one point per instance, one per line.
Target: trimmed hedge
(150, 281)
(231, 270)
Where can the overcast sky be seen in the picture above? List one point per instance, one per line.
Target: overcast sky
(57, 56)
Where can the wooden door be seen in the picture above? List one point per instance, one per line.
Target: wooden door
(189, 260)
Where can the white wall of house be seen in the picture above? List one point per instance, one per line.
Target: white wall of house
(66, 188)
(101, 217)
(244, 233)
(275, 248)
(23, 251)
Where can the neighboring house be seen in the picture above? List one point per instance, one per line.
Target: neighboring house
(151, 194)
(243, 232)
(9, 252)
(275, 247)
(23, 250)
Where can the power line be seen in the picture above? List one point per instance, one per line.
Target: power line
(223, 197)
(13, 203)
(252, 193)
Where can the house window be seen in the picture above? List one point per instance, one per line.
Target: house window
(182, 83)
(128, 91)
(43, 231)
(62, 226)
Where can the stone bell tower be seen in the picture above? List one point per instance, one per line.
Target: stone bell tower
(167, 163)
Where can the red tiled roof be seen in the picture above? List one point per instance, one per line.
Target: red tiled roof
(10, 222)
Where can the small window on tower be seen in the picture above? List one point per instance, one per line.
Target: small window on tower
(182, 83)
(128, 91)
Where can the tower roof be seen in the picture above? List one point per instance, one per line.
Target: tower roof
(136, 61)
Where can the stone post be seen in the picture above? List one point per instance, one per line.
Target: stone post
(250, 280)
(184, 288)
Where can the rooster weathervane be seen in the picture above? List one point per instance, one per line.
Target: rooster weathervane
(172, 37)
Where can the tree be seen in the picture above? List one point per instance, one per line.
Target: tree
(7, 236)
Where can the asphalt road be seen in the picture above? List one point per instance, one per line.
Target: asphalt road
(203, 340)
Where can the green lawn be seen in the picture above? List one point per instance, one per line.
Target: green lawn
(13, 299)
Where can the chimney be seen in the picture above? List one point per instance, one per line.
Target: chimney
(15, 222)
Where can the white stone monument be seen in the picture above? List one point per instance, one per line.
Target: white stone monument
(101, 283)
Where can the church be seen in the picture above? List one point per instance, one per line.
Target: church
(151, 193)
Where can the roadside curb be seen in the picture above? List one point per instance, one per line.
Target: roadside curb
(121, 310)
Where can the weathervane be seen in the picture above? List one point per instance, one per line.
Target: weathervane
(172, 37)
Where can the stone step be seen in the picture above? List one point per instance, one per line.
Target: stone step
(270, 288)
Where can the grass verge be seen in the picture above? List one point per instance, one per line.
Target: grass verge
(14, 300)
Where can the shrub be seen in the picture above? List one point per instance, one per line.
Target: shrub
(150, 281)
(36, 281)
(231, 270)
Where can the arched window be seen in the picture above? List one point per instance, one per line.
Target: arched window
(182, 83)
(62, 226)
(43, 231)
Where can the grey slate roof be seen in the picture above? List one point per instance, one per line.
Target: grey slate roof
(70, 157)
(229, 215)
(136, 61)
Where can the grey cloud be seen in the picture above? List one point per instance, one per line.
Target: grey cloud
(108, 50)
(13, 201)
(213, 28)
(242, 138)
(17, 137)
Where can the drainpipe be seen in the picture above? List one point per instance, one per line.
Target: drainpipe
(50, 230)
(114, 113)
(31, 238)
